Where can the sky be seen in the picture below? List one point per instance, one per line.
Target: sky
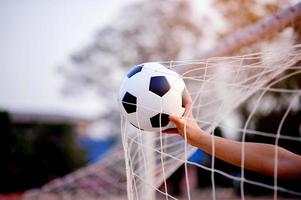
(36, 36)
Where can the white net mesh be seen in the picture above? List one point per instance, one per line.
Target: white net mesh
(222, 88)
(217, 87)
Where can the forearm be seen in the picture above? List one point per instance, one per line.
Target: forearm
(257, 157)
(227, 150)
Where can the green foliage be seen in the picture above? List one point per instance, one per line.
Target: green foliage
(33, 154)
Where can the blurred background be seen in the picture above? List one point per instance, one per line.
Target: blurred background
(62, 63)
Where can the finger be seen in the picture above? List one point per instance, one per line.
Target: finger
(171, 130)
(187, 97)
(187, 101)
(176, 120)
(188, 110)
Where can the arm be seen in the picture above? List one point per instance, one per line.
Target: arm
(258, 157)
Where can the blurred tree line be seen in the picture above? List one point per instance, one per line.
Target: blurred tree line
(143, 32)
(34, 153)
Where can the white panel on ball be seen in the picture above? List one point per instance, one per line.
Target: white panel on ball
(150, 93)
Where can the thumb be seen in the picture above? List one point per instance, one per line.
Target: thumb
(176, 120)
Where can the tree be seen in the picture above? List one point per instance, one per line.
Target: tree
(147, 31)
(34, 153)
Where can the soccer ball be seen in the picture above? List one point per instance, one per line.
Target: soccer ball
(149, 94)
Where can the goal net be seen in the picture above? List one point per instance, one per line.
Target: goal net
(252, 97)
(218, 86)
(103, 180)
(221, 88)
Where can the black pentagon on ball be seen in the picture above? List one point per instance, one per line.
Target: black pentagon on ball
(159, 119)
(129, 102)
(159, 85)
(134, 71)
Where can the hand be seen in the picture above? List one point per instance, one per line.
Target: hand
(187, 124)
